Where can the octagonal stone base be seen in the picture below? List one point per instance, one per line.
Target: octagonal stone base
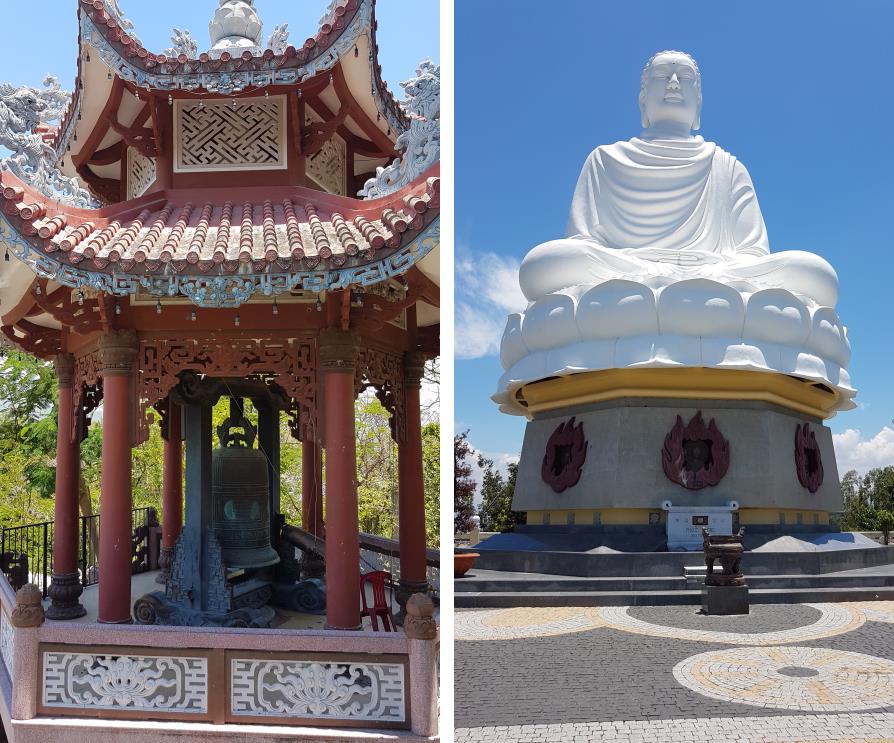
(622, 476)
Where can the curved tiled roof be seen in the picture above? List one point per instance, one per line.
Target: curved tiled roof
(197, 231)
(130, 49)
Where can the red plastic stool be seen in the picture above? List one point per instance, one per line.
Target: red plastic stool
(380, 608)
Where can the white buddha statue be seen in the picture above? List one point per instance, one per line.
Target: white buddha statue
(668, 206)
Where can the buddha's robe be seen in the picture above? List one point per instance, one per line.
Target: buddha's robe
(658, 211)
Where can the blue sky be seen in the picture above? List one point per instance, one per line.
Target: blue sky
(800, 91)
(34, 45)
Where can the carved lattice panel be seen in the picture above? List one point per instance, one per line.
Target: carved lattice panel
(141, 173)
(124, 682)
(292, 363)
(384, 372)
(327, 166)
(86, 385)
(361, 692)
(239, 134)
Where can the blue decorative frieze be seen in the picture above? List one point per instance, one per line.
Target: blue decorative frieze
(226, 290)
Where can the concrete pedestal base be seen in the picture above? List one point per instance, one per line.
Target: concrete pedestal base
(719, 600)
(622, 479)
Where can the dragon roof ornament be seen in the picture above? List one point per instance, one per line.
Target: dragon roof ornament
(183, 43)
(420, 145)
(124, 23)
(25, 116)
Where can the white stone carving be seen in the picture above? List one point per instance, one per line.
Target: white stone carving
(420, 145)
(141, 173)
(125, 682)
(336, 691)
(327, 166)
(666, 259)
(183, 43)
(7, 637)
(625, 324)
(235, 28)
(241, 134)
(32, 160)
(279, 39)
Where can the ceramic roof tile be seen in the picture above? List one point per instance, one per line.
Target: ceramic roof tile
(294, 228)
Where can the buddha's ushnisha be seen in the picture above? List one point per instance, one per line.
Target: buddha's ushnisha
(668, 206)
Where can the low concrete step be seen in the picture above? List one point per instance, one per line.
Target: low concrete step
(467, 600)
(694, 581)
(695, 575)
(556, 583)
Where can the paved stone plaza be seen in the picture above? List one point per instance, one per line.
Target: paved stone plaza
(798, 672)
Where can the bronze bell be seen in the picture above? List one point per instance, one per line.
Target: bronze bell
(240, 494)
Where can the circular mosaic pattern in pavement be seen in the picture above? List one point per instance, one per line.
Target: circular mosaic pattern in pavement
(875, 611)
(835, 619)
(791, 678)
(521, 622)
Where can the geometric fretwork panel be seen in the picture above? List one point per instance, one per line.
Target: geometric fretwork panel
(141, 173)
(361, 692)
(125, 682)
(222, 136)
(327, 167)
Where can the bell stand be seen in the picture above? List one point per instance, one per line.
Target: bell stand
(198, 592)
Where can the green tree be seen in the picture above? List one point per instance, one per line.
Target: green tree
(431, 474)
(884, 522)
(463, 484)
(497, 493)
(27, 437)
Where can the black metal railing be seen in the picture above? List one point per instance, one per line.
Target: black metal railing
(26, 552)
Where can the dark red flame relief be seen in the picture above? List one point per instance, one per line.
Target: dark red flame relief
(808, 459)
(695, 456)
(566, 451)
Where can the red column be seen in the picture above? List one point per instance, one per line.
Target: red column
(117, 352)
(66, 585)
(338, 351)
(171, 488)
(411, 507)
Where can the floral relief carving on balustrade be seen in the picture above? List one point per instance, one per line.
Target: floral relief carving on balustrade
(384, 371)
(7, 640)
(369, 692)
(291, 363)
(125, 682)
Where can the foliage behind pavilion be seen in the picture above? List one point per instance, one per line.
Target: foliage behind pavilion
(219, 235)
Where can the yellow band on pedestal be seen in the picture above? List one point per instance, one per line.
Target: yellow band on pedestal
(803, 396)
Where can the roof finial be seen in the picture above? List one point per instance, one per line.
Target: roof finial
(235, 28)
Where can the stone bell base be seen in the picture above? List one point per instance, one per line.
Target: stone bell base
(622, 480)
(722, 600)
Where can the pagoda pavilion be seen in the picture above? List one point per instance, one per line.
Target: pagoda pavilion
(258, 221)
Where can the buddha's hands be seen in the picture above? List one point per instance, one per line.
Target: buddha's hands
(677, 257)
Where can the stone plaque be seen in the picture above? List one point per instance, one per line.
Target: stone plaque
(685, 524)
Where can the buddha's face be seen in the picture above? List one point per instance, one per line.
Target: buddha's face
(671, 94)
